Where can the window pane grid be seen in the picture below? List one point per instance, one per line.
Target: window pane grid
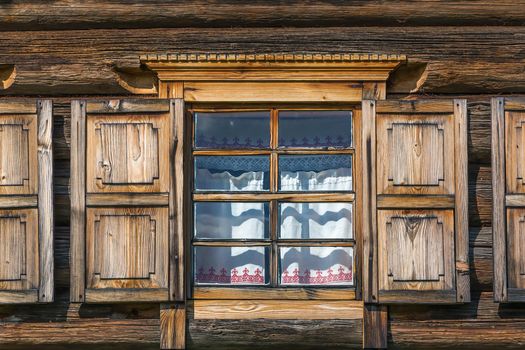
(305, 271)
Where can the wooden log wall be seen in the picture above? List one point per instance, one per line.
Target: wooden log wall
(67, 49)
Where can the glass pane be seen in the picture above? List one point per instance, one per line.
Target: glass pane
(227, 220)
(315, 129)
(225, 130)
(315, 220)
(232, 173)
(316, 266)
(231, 265)
(315, 172)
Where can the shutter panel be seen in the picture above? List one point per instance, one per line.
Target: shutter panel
(121, 177)
(508, 182)
(26, 202)
(415, 202)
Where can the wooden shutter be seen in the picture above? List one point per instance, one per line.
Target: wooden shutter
(508, 184)
(415, 202)
(26, 202)
(122, 201)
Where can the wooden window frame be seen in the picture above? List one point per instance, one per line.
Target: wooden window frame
(273, 197)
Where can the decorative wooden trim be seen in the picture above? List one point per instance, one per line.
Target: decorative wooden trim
(7, 75)
(45, 199)
(78, 201)
(461, 205)
(172, 326)
(375, 326)
(276, 309)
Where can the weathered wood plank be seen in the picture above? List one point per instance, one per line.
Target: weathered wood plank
(198, 13)
(172, 326)
(59, 62)
(375, 326)
(78, 201)
(45, 200)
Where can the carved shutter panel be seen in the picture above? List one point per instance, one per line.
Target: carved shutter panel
(415, 202)
(26, 202)
(122, 160)
(508, 183)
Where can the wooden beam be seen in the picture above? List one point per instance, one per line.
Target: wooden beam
(45, 200)
(375, 326)
(89, 14)
(172, 326)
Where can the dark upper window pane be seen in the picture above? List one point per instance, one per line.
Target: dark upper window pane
(231, 220)
(226, 130)
(232, 173)
(315, 172)
(315, 129)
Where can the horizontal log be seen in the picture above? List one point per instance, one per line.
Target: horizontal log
(34, 15)
(452, 59)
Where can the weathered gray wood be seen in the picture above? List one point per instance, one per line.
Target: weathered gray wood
(78, 200)
(498, 188)
(199, 13)
(45, 200)
(461, 207)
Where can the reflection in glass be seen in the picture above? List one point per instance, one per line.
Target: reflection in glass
(232, 173)
(315, 129)
(315, 220)
(228, 220)
(315, 172)
(231, 265)
(227, 130)
(321, 266)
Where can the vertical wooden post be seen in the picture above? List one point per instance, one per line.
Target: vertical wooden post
(173, 326)
(45, 199)
(78, 200)
(498, 193)
(375, 326)
(461, 202)
(173, 316)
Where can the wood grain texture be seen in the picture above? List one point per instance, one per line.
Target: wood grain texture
(369, 215)
(172, 326)
(276, 309)
(461, 196)
(78, 200)
(198, 13)
(61, 62)
(271, 92)
(375, 326)
(45, 200)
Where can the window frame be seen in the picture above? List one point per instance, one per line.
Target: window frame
(272, 290)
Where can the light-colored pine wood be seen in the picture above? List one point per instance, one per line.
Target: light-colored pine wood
(414, 201)
(172, 326)
(126, 295)
(18, 107)
(18, 201)
(516, 248)
(127, 248)
(416, 250)
(128, 152)
(78, 201)
(274, 293)
(128, 199)
(45, 200)
(271, 92)
(276, 309)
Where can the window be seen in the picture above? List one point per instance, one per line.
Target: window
(273, 198)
